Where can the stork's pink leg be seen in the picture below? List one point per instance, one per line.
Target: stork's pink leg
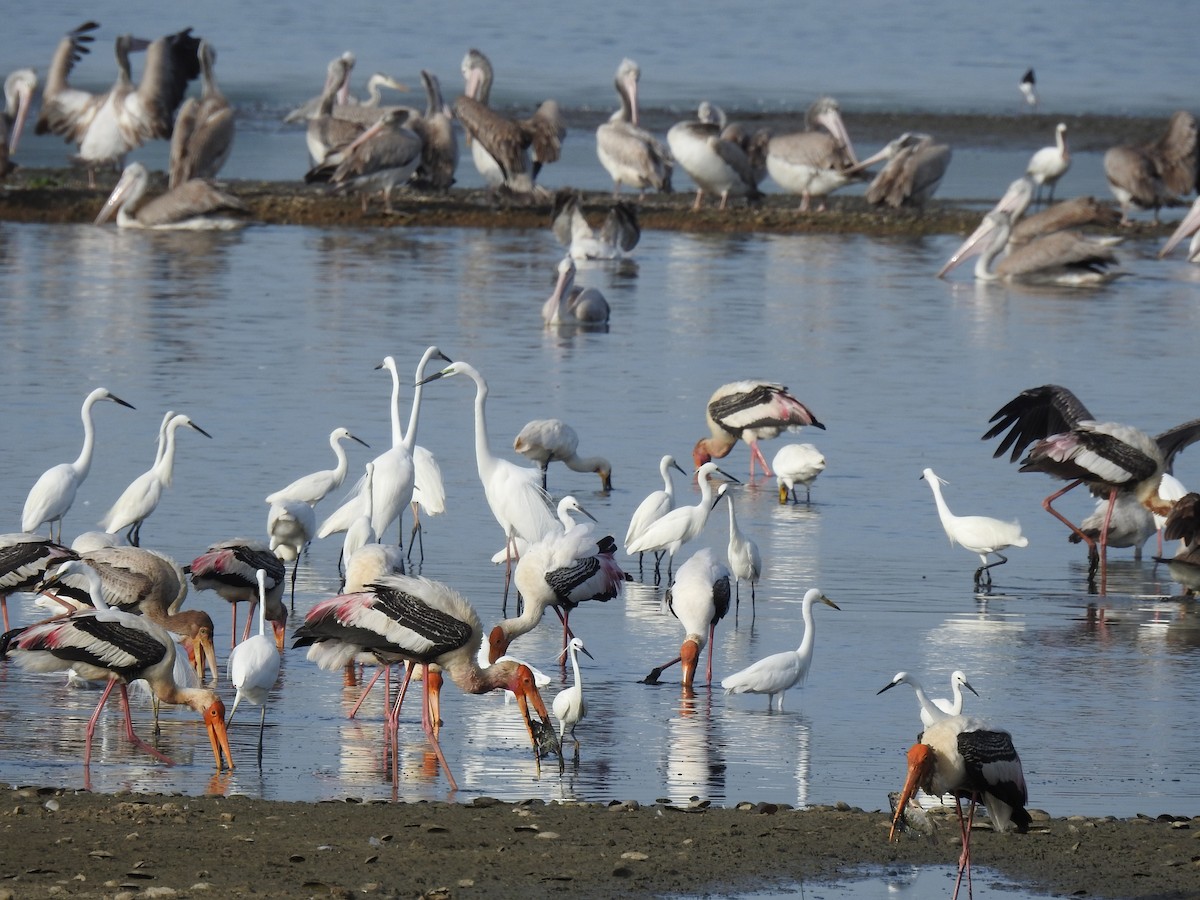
(134, 739)
(1047, 505)
(712, 629)
(233, 628)
(367, 690)
(91, 725)
(249, 618)
(755, 453)
(4, 603)
(1112, 501)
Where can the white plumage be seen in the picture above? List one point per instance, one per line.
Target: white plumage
(774, 674)
(938, 708)
(979, 534)
(313, 488)
(569, 706)
(797, 464)
(680, 525)
(254, 665)
(656, 504)
(745, 560)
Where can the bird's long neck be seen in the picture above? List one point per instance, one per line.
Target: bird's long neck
(164, 469)
(397, 431)
(575, 667)
(524, 623)
(83, 464)
(810, 629)
(706, 493)
(956, 692)
(343, 462)
(928, 705)
(410, 436)
(732, 517)
(943, 510)
(483, 453)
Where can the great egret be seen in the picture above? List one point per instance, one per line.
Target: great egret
(314, 487)
(745, 560)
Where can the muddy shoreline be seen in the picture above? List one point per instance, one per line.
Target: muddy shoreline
(62, 196)
(77, 844)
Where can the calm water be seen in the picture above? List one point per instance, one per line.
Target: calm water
(269, 339)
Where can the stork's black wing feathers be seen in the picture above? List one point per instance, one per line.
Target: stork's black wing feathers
(1035, 414)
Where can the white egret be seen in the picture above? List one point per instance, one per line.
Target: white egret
(544, 441)
(1049, 164)
(966, 757)
(680, 525)
(54, 492)
(774, 674)
(750, 411)
(514, 493)
(141, 498)
(254, 665)
(314, 487)
(569, 706)
(797, 464)
(936, 709)
(979, 534)
(361, 533)
(291, 525)
(745, 560)
(656, 505)
(699, 599)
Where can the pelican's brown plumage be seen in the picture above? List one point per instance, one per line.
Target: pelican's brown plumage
(508, 152)
(192, 206)
(204, 128)
(385, 155)
(814, 163)
(325, 133)
(628, 152)
(439, 144)
(1157, 174)
(913, 172)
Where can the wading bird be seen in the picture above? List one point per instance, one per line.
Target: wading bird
(938, 708)
(914, 170)
(967, 758)
(699, 599)
(141, 498)
(254, 665)
(982, 535)
(745, 560)
(425, 623)
(230, 568)
(117, 647)
(19, 88)
(716, 163)
(1071, 445)
(1049, 164)
(678, 526)
(749, 411)
(655, 505)
(291, 525)
(54, 491)
(203, 134)
(24, 560)
(1188, 226)
(543, 441)
(797, 464)
(1028, 87)
(618, 234)
(773, 675)
(314, 487)
(569, 707)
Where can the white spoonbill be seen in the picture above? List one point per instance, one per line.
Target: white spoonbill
(749, 411)
(699, 599)
(254, 665)
(982, 535)
(569, 706)
(141, 498)
(966, 757)
(314, 487)
(1049, 164)
(797, 464)
(745, 560)
(54, 492)
(655, 505)
(544, 441)
(514, 493)
(936, 709)
(774, 674)
(680, 525)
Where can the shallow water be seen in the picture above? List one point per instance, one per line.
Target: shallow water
(269, 338)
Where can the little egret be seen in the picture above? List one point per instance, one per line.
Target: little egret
(680, 525)
(54, 492)
(939, 708)
(314, 487)
(254, 665)
(745, 560)
(979, 534)
(569, 707)
(750, 411)
(774, 674)
(656, 505)
(291, 525)
(141, 497)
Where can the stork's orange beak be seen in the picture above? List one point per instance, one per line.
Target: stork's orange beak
(920, 766)
(214, 721)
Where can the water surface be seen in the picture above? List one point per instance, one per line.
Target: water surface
(269, 339)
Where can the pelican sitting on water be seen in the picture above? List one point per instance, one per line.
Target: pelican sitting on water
(628, 152)
(570, 305)
(1064, 258)
(193, 206)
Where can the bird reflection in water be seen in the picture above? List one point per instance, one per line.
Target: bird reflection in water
(695, 750)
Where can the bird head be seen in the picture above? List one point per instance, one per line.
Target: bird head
(497, 644)
(920, 771)
(522, 683)
(212, 710)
